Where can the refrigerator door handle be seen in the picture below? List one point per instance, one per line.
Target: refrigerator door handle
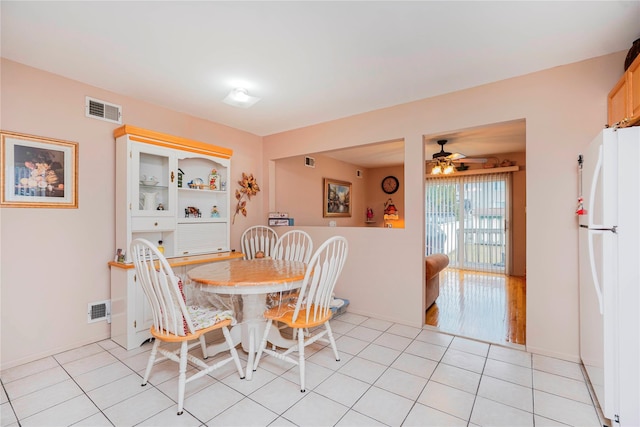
(592, 190)
(592, 196)
(613, 229)
(598, 228)
(592, 264)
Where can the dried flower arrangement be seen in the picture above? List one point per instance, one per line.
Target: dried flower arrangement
(248, 187)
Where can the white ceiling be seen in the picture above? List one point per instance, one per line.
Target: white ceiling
(310, 62)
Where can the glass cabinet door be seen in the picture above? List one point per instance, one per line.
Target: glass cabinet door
(153, 181)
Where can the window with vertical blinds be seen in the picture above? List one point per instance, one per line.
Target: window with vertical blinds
(466, 217)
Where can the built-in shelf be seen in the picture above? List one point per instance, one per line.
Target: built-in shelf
(201, 219)
(157, 187)
(200, 190)
(478, 171)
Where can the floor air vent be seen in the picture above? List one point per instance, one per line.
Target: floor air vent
(98, 311)
(101, 110)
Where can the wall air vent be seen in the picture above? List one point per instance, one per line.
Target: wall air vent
(98, 311)
(358, 173)
(102, 110)
(309, 162)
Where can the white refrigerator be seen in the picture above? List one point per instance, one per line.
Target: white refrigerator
(609, 275)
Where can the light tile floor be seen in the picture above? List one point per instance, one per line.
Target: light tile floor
(389, 374)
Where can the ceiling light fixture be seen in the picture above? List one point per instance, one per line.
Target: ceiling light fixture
(442, 166)
(239, 97)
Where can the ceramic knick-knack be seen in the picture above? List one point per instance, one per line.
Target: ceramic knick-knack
(213, 180)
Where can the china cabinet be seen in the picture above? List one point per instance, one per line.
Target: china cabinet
(171, 191)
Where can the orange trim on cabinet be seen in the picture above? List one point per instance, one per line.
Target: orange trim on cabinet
(170, 141)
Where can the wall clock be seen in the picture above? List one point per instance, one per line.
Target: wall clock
(390, 184)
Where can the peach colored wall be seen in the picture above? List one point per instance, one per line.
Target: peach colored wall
(376, 198)
(299, 190)
(518, 215)
(54, 261)
(564, 108)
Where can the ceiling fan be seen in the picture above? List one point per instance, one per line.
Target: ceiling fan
(443, 161)
(455, 157)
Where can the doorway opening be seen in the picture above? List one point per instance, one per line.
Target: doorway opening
(485, 306)
(467, 217)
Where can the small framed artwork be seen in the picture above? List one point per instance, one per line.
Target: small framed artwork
(336, 198)
(38, 172)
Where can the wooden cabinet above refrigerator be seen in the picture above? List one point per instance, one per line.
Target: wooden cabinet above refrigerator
(623, 104)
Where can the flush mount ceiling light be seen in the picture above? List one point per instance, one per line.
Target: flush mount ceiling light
(239, 97)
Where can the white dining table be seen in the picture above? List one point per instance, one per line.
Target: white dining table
(252, 280)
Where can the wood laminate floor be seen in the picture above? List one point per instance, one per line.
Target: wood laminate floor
(485, 306)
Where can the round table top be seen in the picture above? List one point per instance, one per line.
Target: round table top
(248, 273)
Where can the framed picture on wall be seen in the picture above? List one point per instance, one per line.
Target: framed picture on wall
(337, 198)
(38, 172)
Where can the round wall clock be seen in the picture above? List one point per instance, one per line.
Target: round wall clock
(390, 184)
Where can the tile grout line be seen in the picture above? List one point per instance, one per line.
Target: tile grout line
(550, 371)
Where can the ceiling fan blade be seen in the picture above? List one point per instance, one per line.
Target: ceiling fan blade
(471, 160)
(456, 156)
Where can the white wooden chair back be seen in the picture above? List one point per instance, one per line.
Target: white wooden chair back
(161, 286)
(174, 323)
(294, 245)
(258, 238)
(320, 278)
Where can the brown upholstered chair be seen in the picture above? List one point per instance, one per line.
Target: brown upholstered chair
(434, 264)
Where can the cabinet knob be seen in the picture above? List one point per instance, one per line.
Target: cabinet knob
(172, 176)
(155, 224)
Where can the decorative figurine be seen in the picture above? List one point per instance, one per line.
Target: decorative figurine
(190, 210)
(160, 207)
(390, 212)
(214, 212)
(369, 214)
(213, 180)
(390, 208)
